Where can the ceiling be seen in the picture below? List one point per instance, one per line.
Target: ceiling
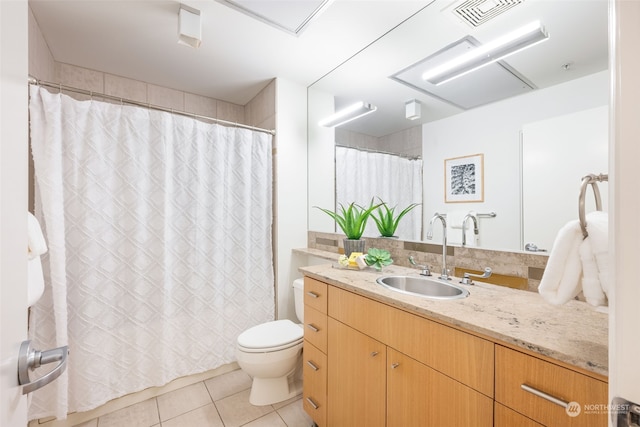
(238, 56)
(341, 51)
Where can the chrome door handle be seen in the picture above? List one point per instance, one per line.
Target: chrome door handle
(544, 395)
(312, 294)
(29, 359)
(313, 366)
(313, 327)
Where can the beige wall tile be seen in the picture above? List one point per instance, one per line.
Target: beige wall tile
(41, 63)
(201, 105)
(262, 106)
(81, 78)
(230, 112)
(165, 97)
(122, 87)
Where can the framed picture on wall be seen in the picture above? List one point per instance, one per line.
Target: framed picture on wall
(464, 179)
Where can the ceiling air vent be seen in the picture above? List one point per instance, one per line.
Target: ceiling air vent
(477, 12)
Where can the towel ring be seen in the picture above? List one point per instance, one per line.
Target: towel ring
(593, 180)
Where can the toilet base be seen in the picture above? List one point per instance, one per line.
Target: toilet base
(267, 391)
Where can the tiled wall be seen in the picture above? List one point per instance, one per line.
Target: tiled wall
(514, 269)
(407, 142)
(259, 112)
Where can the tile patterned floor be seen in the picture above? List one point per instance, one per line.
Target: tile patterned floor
(221, 401)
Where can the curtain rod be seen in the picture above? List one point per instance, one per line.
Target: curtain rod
(371, 150)
(61, 87)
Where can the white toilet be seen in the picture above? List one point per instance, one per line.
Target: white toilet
(271, 353)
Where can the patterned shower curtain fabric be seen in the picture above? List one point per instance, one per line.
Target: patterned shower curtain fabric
(160, 250)
(362, 175)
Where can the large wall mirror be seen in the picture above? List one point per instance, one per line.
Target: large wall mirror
(533, 123)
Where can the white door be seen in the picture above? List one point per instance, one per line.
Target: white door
(13, 205)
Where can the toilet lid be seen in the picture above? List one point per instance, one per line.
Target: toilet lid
(271, 334)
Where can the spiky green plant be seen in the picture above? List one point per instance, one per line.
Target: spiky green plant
(352, 219)
(386, 221)
(378, 258)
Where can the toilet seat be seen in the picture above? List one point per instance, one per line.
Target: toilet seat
(271, 336)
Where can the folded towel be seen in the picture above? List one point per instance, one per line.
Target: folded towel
(35, 239)
(594, 254)
(36, 247)
(561, 279)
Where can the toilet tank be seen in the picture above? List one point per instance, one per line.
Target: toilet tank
(298, 296)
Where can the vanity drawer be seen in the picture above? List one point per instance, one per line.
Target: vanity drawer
(315, 294)
(547, 382)
(315, 328)
(314, 392)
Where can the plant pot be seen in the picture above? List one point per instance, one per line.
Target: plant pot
(351, 245)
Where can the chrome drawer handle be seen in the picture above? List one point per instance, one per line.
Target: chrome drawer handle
(544, 395)
(313, 366)
(394, 365)
(312, 403)
(312, 327)
(312, 294)
(374, 353)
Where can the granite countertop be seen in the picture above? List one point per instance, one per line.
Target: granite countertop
(573, 333)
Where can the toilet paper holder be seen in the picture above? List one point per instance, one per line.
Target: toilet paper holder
(30, 359)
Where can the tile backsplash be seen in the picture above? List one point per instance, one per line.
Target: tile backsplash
(520, 270)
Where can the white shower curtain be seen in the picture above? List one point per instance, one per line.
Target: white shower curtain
(160, 250)
(362, 175)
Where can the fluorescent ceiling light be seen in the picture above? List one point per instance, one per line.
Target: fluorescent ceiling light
(347, 114)
(488, 53)
(189, 26)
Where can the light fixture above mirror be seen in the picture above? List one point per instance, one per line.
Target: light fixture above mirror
(352, 112)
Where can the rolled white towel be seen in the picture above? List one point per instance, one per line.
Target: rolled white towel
(36, 245)
(594, 253)
(561, 279)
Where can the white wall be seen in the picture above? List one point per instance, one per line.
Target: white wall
(13, 206)
(291, 187)
(494, 130)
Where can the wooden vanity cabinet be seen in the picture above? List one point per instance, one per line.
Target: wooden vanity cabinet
(377, 365)
(374, 379)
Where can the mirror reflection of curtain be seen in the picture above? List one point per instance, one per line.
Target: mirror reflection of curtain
(363, 175)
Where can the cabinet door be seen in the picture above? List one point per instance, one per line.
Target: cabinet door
(356, 378)
(418, 395)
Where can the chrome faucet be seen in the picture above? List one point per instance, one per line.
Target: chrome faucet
(426, 270)
(464, 227)
(445, 272)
